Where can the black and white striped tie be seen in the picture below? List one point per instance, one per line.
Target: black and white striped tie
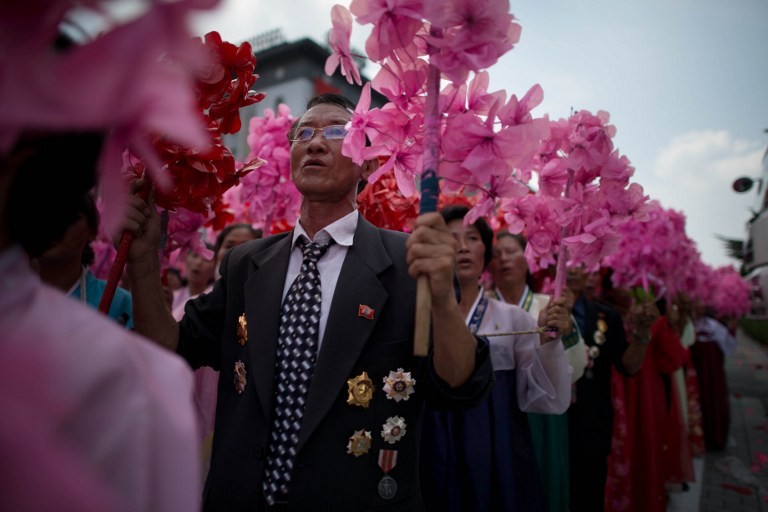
(296, 354)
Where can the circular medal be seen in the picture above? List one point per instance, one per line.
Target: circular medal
(594, 352)
(387, 487)
(599, 337)
(602, 325)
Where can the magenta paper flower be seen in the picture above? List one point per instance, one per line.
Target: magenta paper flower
(401, 80)
(459, 54)
(519, 111)
(474, 34)
(732, 293)
(592, 245)
(483, 157)
(404, 152)
(341, 54)
(185, 231)
(656, 250)
(354, 142)
(538, 216)
(553, 176)
(267, 194)
(507, 187)
(395, 23)
(472, 97)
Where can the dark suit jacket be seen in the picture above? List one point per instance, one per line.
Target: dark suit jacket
(591, 415)
(325, 477)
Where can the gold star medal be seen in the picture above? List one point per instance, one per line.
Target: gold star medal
(399, 385)
(360, 390)
(359, 443)
(393, 430)
(242, 330)
(240, 380)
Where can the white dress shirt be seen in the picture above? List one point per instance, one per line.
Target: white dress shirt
(342, 232)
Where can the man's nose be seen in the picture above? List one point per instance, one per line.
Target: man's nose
(317, 142)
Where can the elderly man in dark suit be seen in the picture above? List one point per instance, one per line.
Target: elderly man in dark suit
(320, 397)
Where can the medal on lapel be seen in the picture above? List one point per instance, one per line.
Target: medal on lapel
(359, 443)
(399, 385)
(242, 330)
(393, 430)
(387, 485)
(599, 337)
(360, 390)
(240, 380)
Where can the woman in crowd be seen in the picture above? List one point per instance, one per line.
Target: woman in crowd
(513, 283)
(199, 272)
(654, 417)
(482, 459)
(232, 236)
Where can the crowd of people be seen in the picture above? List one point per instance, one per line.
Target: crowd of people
(580, 385)
(279, 372)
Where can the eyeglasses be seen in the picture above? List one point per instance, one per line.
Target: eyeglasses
(331, 132)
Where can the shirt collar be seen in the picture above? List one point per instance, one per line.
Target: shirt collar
(342, 231)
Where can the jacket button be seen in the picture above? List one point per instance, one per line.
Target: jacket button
(258, 452)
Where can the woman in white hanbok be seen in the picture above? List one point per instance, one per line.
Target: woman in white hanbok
(482, 458)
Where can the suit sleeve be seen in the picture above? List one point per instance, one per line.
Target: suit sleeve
(201, 329)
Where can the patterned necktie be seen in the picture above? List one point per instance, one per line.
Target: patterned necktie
(296, 353)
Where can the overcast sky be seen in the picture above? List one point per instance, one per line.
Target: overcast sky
(685, 82)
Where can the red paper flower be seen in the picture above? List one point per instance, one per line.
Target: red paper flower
(224, 85)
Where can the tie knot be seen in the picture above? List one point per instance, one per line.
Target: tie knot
(313, 250)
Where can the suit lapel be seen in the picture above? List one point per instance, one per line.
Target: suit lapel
(263, 297)
(346, 333)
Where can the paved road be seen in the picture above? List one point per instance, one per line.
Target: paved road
(736, 480)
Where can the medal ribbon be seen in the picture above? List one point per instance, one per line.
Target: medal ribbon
(387, 460)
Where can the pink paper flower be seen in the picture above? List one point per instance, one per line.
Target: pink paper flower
(267, 195)
(473, 34)
(339, 41)
(395, 23)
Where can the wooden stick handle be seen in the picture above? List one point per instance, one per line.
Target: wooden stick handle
(423, 317)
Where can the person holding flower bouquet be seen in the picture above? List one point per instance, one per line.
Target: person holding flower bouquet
(483, 459)
(590, 416)
(513, 283)
(320, 397)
